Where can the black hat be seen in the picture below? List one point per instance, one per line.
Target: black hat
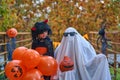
(40, 27)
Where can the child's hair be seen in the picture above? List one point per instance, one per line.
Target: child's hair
(39, 28)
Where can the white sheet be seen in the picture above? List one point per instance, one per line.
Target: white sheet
(87, 65)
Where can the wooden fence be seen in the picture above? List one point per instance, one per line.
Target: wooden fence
(114, 42)
(24, 39)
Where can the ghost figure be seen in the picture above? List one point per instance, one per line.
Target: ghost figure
(87, 64)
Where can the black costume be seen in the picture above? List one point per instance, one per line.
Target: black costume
(39, 28)
(47, 43)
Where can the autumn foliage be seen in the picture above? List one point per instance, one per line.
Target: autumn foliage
(84, 15)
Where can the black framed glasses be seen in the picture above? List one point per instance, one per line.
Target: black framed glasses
(69, 33)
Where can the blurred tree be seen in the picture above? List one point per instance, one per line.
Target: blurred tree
(84, 15)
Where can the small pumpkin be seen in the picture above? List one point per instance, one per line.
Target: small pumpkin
(67, 64)
(12, 32)
(33, 74)
(30, 58)
(48, 65)
(18, 53)
(41, 50)
(14, 70)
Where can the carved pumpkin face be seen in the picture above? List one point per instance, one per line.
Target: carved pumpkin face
(67, 64)
(17, 71)
(14, 70)
(12, 32)
(41, 50)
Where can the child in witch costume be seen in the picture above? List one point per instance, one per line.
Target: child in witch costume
(41, 40)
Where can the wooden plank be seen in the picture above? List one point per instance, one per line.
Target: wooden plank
(111, 32)
(2, 72)
(3, 53)
(19, 33)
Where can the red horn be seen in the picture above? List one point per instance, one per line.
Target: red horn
(33, 29)
(46, 21)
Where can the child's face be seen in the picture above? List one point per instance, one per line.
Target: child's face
(43, 35)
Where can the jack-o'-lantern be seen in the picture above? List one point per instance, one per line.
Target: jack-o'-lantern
(41, 50)
(12, 32)
(67, 64)
(14, 70)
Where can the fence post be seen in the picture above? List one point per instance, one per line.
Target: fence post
(115, 59)
(5, 55)
(115, 73)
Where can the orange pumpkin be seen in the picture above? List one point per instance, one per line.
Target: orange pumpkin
(12, 32)
(48, 65)
(33, 74)
(41, 50)
(30, 58)
(14, 70)
(67, 64)
(18, 53)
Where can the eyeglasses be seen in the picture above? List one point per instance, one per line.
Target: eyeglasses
(70, 33)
